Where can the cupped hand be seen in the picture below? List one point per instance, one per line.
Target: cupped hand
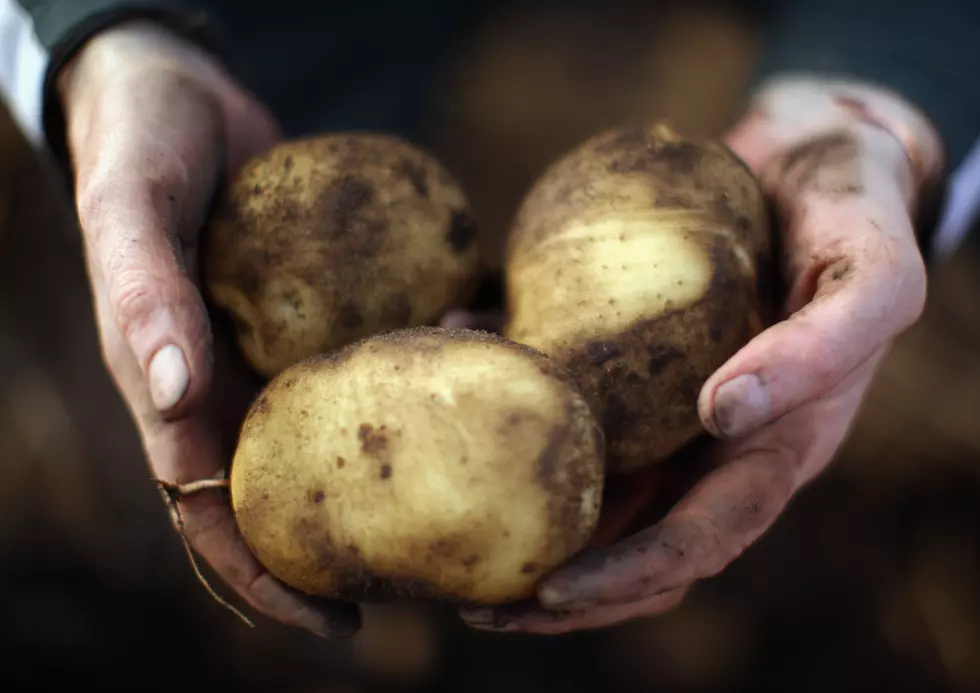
(844, 166)
(153, 123)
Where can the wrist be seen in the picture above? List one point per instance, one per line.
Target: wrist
(892, 134)
(126, 46)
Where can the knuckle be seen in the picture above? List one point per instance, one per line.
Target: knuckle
(819, 360)
(666, 555)
(822, 358)
(133, 297)
(93, 202)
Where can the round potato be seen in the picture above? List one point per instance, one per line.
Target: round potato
(640, 261)
(326, 240)
(426, 463)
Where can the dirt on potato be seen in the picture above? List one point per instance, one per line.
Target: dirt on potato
(641, 262)
(326, 240)
(427, 463)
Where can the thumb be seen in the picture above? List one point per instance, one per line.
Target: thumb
(154, 303)
(856, 278)
(145, 179)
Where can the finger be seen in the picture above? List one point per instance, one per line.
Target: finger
(857, 293)
(153, 302)
(251, 129)
(142, 195)
(723, 514)
(534, 619)
(187, 450)
(209, 526)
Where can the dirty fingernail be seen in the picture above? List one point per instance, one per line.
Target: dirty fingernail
(327, 619)
(169, 377)
(317, 627)
(330, 626)
(481, 617)
(478, 616)
(741, 405)
(552, 597)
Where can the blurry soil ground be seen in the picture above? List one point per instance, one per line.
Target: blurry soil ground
(872, 577)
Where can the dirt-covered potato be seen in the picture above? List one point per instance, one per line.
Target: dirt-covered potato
(640, 262)
(425, 463)
(326, 240)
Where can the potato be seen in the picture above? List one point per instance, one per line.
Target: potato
(425, 463)
(640, 262)
(326, 240)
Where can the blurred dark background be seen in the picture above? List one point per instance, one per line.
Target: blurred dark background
(872, 577)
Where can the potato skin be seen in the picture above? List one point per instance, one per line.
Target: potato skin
(641, 262)
(427, 463)
(326, 240)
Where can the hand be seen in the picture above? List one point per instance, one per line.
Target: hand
(844, 191)
(152, 124)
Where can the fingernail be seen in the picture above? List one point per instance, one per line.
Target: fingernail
(478, 616)
(323, 627)
(741, 405)
(559, 598)
(482, 617)
(169, 377)
(326, 619)
(317, 627)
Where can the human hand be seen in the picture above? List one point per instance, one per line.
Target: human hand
(844, 192)
(153, 122)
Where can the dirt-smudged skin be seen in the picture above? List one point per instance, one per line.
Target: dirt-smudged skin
(640, 261)
(425, 463)
(322, 241)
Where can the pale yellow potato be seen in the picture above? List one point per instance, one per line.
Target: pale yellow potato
(326, 240)
(424, 463)
(640, 261)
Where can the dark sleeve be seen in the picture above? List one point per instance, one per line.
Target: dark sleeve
(63, 27)
(926, 50)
